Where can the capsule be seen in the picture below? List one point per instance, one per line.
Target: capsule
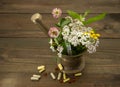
(78, 74)
(60, 66)
(40, 67)
(34, 78)
(65, 80)
(59, 76)
(64, 76)
(40, 71)
(37, 76)
(52, 75)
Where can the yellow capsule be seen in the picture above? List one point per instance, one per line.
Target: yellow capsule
(40, 67)
(60, 66)
(78, 74)
(64, 76)
(40, 71)
(65, 80)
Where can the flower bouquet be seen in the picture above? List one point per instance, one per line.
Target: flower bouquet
(71, 35)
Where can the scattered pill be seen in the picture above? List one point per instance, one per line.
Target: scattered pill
(52, 75)
(65, 80)
(40, 71)
(78, 74)
(37, 76)
(40, 67)
(34, 78)
(64, 76)
(60, 66)
(59, 76)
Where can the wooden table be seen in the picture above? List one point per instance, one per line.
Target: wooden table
(23, 46)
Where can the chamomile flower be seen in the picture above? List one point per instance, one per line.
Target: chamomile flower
(53, 32)
(56, 12)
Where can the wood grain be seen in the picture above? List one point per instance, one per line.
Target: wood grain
(19, 25)
(43, 6)
(19, 58)
(23, 46)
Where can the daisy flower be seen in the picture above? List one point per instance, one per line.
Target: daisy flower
(53, 32)
(56, 12)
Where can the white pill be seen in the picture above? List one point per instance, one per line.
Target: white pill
(59, 76)
(34, 78)
(52, 75)
(37, 76)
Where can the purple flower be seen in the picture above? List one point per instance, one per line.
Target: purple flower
(56, 12)
(53, 32)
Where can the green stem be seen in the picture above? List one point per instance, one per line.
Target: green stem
(68, 46)
(56, 41)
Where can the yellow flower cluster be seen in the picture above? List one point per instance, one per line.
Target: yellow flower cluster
(93, 35)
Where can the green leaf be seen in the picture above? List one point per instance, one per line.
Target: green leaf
(86, 13)
(94, 19)
(65, 22)
(74, 15)
(57, 25)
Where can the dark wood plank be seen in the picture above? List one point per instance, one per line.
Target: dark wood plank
(89, 80)
(43, 43)
(19, 58)
(31, 52)
(23, 46)
(43, 6)
(20, 25)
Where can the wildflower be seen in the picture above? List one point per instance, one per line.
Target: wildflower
(60, 49)
(65, 32)
(52, 48)
(56, 12)
(59, 54)
(51, 42)
(53, 32)
(91, 49)
(70, 18)
(93, 35)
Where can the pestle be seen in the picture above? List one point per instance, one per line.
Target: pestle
(37, 19)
